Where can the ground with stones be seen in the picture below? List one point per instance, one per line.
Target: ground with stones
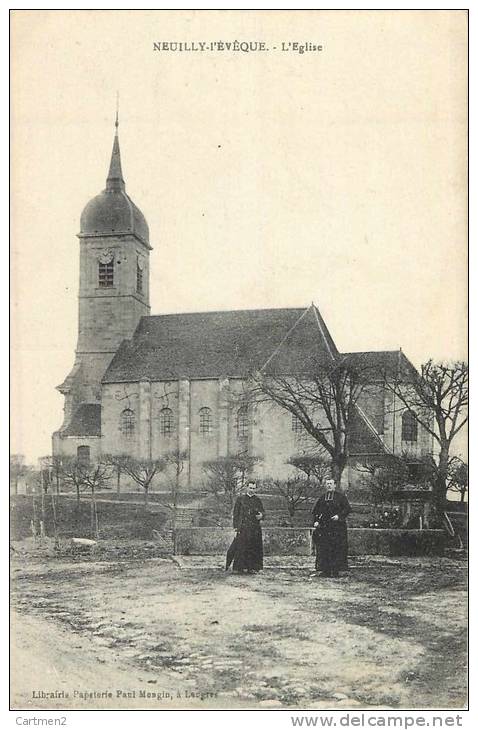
(162, 634)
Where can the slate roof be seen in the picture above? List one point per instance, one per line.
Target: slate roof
(223, 344)
(392, 362)
(232, 344)
(112, 212)
(363, 438)
(86, 421)
(71, 378)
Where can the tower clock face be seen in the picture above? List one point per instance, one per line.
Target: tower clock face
(106, 256)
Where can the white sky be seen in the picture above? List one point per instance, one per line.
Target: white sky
(267, 180)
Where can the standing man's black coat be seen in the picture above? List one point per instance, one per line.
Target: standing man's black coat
(330, 536)
(248, 551)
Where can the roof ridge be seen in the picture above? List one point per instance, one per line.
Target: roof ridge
(223, 344)
(371, 427)
(284, 338)
(230, 311)
(365, 352)
(324, 331)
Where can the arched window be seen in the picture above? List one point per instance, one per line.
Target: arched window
(242, 423)
(127, 423)
(409, 426)
(166, 422)
(205, 421)
(297, 425)
(106, 270)
(83, 455)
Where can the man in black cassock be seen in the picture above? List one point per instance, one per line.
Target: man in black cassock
(247, 518)
(330, 534)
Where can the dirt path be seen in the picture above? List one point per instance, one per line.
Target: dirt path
(390, 634)
(45, 659)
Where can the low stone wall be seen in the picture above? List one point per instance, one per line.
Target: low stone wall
(297, 541)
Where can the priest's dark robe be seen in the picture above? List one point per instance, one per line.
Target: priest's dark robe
(248, 550)
(330, 537)
(231, 551)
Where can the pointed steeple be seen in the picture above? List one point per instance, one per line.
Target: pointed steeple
(112, 211)
(115, 181)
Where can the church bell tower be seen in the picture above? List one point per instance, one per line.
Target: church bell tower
(114, 286)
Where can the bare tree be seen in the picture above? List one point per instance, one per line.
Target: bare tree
(316, 467)
(87, 476)
(143, 471)
(54, 466)
(226, 477)
(39, 481)
(176, 460)
(117, 462)
(438, 398)
(324, 400)
(18, 469)
(74, 472)
(384, 476)
(44, 479)
(293, 491)
(458, 477)
(97, 477)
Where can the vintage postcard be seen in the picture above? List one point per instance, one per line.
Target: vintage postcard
(239, 463)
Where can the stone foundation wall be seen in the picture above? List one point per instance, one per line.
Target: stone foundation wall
(297, 541)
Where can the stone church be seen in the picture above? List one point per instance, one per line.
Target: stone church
(146, 385)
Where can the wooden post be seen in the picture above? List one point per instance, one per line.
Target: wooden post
(97, 529)
(55, 523)
(94, 516)
(42, 519)
(33, 524)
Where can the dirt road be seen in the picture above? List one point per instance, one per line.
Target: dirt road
(152, 635)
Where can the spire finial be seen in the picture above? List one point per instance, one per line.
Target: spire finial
(115, 181)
